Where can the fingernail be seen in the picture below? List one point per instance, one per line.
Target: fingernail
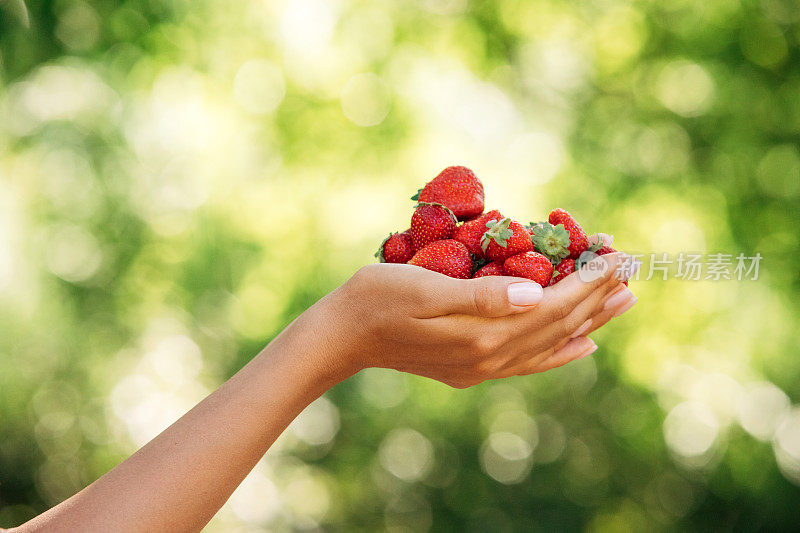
(581, 330)
(626, 306)
(588, 352)
(525, 293)
(618, 298)
(628, 268)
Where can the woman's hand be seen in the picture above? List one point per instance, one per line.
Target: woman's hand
(462, 332)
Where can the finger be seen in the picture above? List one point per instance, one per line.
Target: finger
(618, 303)
(490, 296)
(572, 350)
(589, 315)
(577, 348)
(577, 322)
(605, 238)
(430, 294)
(600, 273)
(524, 356)
(580, 320)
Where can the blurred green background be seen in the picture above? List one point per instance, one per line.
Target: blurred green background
(178, 180)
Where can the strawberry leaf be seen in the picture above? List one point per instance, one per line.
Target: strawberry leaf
(534, 225)
(477, 263)
(485, 242)
(595, 246)
(537, 227)
(584, 258)
(416, 196)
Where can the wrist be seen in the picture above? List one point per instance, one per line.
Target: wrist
(320, 344)
(340, 336)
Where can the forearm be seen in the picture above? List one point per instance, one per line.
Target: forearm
(460, 332)
(180, 479)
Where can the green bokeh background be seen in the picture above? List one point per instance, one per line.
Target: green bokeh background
(178, 180)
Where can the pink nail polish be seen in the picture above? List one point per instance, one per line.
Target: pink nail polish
(524, 293)
(627, 268)
(582, 329)
(625, 307)
(588, 352)
(618, 299)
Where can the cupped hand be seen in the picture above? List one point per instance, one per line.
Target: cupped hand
(463, 332)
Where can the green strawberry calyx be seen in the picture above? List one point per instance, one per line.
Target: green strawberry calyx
(551, 241)
(416, 196)
(584, 258)
(498, 231)
(478, 263)
(595, 246)
(589, 254)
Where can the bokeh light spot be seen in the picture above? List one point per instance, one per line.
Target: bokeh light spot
(73, 254)
(778, 171)
(307, 25)
(763, 43)
(678, 235)
(307, 493)
(383, 388)
(506, 457)
(406, 454)
(78, 26)
(551, 439)
(761, 408)
(690, 429)
(787, 445)
(318, 423)
(257, 500)
(259, 86)
(685, 88)
(365, 99)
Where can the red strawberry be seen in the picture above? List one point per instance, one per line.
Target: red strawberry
(505, 238)
(447, 257)
(495, 268)
(578, 241)
(471, 232)
(396, 248)
(608, 250)
(456, 187)
(601, 249)
(431, 222)
(494, 214)
(564, 269)
(531, 265)
(605, 250)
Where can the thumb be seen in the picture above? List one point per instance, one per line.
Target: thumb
(494, 296)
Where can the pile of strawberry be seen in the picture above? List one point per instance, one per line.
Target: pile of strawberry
(485, 244)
